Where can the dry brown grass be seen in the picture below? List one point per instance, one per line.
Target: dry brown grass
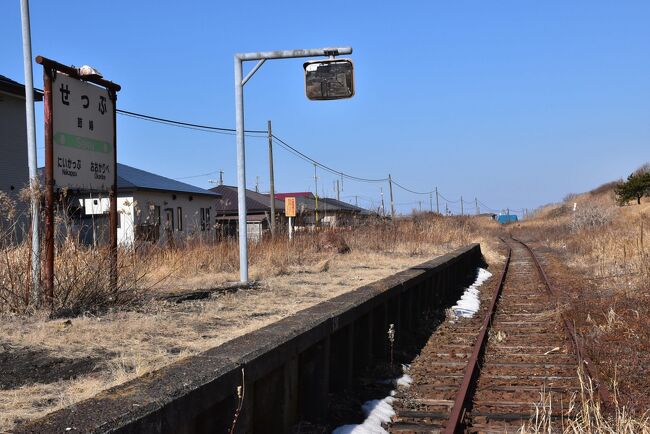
(584, 415)
(148, 332)
(603, 273)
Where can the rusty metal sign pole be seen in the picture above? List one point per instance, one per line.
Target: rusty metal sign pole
(49, 188)
(49, 70)
(240, 81)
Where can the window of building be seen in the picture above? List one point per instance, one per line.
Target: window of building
(208, 223)
(169, 216)
(202, 219)
(179, 218)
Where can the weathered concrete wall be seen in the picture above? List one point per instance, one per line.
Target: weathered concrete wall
(289, 366)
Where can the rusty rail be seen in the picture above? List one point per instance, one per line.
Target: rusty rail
(471, 372)
(583, 359)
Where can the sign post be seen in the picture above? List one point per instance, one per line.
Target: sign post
(290, 211)
(80, 146)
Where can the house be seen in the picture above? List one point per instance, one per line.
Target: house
(14, 173)
(151, 208)
(258, 210)
(331, 212)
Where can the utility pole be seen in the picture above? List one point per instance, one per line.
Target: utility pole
(31, 152)
(316, 188)
(446, 208)
(383, 210)
(338, 191)
(431, 202)
(257, 184)
(476, 203)
(420, 205)
(437, 204)
(462, 211)
(271, 180)
(356, 200)
(392, 202)
(221, 177)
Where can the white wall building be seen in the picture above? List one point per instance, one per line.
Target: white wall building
(151, 208)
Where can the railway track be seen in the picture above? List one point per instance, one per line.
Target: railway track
(485, 374)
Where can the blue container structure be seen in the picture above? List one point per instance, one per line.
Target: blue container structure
(507, 218)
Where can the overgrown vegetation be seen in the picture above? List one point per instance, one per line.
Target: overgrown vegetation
(597, 255)
(82, 281)
(584, 414)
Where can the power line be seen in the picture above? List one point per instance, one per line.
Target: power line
(412, 191)
(305, 157)
(283, 144)
(189, 125)
(198, 176)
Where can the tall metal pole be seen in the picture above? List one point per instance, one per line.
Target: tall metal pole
(431, 202)
(240, 81)
(271, 180)
(49, 187)
(437, 204)
(241, 170)
(383, 210)
(316, 189)
(113, 200)
(392, 203)
(31, 150)
(476, 203)
(462, 211)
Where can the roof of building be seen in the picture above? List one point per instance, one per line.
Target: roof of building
(326, 204)
(281, 196)
(10, 86)
(255, 202)
(130, 179)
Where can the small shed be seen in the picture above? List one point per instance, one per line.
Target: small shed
(507, 218)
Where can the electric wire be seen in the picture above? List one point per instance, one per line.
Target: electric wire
(188, 125)
(286, 146)
(305, 157)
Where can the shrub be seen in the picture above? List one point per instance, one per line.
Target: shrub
(590, 217)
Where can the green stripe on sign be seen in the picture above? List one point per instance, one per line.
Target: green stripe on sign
(72, 141)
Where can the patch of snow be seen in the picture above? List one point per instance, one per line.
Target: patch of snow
(469, 302)
(404, 381)
(377, 411)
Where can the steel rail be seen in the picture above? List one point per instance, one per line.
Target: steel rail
(578, 348)
(455, 419)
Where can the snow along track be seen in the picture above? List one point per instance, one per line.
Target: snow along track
(486, 374)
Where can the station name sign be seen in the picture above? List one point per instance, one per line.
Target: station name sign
(82, 134)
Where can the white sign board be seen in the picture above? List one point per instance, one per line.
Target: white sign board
(83, 140)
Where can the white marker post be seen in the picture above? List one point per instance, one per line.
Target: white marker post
(290, 228)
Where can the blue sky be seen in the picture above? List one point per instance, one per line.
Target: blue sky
(514, 102)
